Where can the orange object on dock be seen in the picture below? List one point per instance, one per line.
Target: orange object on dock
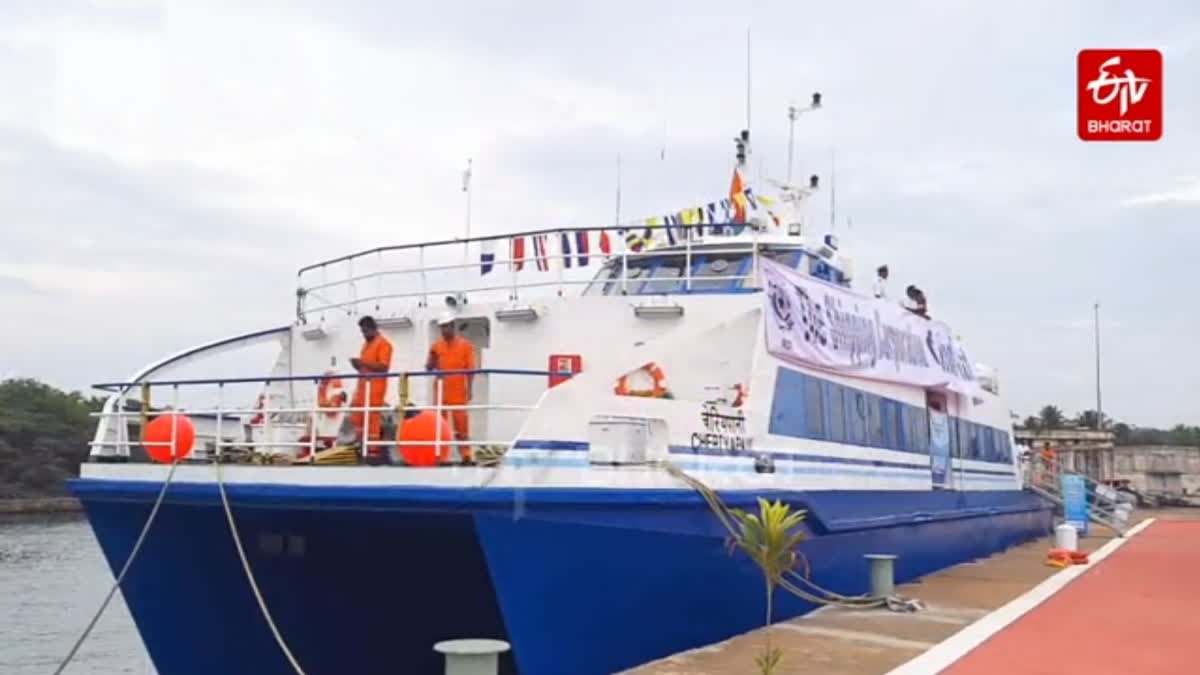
(1133, 612)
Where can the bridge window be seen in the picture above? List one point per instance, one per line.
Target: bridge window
(607, 273)
(784, 257)
(712, 271)
(665, 277)
(608, 281)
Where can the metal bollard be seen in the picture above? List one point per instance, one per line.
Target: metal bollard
(472, 657)
(883, 574)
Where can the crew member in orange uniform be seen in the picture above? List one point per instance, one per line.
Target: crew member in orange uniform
(454, 352)
(375, 357)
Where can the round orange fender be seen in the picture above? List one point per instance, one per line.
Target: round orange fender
(660, 383)
(426, 426)
(169, 438)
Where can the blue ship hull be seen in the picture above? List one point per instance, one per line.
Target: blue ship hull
(585, 581)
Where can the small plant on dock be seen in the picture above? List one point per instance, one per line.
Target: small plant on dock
(770, 538)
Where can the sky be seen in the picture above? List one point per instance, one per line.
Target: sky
(166, 167)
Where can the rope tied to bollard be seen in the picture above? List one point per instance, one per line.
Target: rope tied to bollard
(793, 580)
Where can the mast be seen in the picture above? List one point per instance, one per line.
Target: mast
(793, 114)
(466, 187)
(747, 79)
(617, 222)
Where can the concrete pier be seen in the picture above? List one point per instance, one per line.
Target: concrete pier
(835, 641)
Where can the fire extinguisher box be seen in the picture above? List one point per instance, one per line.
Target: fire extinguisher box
(563, 367)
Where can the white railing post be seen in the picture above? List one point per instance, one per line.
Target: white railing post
(316, 421)
(324, 283)
(220, 415)
(266, 434)
(424, 277)
(624, 270)
(366, 431)
(562, 261)
(379, 276)
(174, 423)
(122, 429)
(512, 267)
(353, 285)
(687, 265)
(437, 410)
(754, 280)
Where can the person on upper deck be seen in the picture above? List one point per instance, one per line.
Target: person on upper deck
(881, 282)
(375, 357)
(454, 352)
(914, 302)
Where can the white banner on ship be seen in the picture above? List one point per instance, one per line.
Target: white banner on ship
(825, 326)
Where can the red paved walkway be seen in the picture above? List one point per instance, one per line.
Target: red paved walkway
(1136, 613)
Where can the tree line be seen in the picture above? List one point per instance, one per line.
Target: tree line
(44, 435)
(1052, 417)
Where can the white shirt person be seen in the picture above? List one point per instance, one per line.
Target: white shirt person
(881, 282)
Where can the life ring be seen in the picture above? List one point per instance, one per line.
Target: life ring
(331, 394)
(660, 383)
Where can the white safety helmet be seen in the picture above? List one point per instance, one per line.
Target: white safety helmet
(446, 318)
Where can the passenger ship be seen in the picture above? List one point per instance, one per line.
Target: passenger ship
(740, 353)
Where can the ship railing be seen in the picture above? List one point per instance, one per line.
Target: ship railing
(1044, 475)
(457, 266)
(290, 426)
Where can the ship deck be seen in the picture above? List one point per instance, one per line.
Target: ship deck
(1125, 613)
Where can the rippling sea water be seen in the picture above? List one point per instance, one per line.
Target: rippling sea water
(52, 579)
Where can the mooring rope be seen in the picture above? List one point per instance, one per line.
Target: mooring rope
(137, 547)
(827, 597)
(262, 604)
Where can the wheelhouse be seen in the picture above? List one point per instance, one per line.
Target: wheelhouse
(707, 268)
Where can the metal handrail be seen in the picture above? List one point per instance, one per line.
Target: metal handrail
(528, 260)
(498, 237)
(268, 379)
(309, 413)
(688, 246)
(1101, 508)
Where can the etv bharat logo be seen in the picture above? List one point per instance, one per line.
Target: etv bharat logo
(1120, 95)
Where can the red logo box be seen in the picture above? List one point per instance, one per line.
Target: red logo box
(1120, 95)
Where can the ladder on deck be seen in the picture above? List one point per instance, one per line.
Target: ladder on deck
(1043, 476)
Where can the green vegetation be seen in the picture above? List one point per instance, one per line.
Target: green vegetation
(44, 435)
(770, 538)
(1051, 417)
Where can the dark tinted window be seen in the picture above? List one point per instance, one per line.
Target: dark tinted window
(837, 414)
(598, 285)
(814, 408)
(665, 277)
(637, 270)
(918, 425)
(712, 272)
(789, 258)
(874, 422)
(856, 416)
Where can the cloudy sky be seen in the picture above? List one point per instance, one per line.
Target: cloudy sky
(166, 167)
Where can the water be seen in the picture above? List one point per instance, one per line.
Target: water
(52, 579)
